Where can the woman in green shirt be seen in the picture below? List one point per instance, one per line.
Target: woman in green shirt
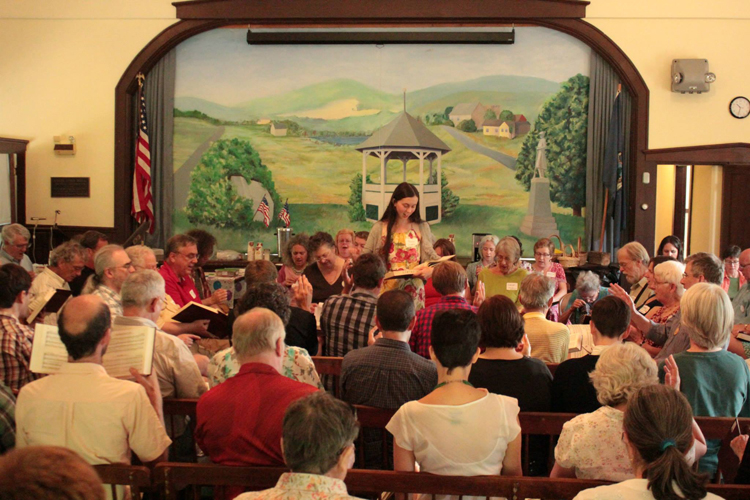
(506, 276)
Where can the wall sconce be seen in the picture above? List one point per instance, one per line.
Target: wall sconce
(65, 148)
(691, 75)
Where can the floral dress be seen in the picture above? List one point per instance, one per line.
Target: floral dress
(404, 254)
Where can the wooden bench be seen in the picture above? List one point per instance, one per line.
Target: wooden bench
(171, 477)
(136, 477)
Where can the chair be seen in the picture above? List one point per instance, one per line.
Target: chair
(136, 477)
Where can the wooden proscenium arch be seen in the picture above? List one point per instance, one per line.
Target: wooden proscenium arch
(561, 15)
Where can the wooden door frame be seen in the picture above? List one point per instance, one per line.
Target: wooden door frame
(18, 174)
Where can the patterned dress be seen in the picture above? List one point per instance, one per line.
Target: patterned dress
(404, 254)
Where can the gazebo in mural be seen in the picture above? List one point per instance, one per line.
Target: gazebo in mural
(405, 138)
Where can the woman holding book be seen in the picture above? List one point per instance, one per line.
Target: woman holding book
(506, 276)
(404, 241)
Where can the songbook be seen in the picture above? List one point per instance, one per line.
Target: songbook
(409, 273)
(192, 311)
(744, 336)
(129, 347)
(52, 302)
(580, 336)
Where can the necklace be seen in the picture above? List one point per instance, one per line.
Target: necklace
(294, 270)
(441, 384)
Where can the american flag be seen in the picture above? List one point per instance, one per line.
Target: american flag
(284, 214)
(265, 210)
(142, 207)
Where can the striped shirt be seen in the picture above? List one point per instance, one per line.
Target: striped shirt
(346, 320)
(549, 341)
(7, 419)
(111, 298)
(15, 351)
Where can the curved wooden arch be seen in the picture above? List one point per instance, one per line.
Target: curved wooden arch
(565, 16)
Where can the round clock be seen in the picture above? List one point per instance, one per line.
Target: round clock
(740, 107)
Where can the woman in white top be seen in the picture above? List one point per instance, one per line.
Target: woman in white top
(457, 429)
(658, 432)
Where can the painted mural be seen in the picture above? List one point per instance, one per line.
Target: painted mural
(303, 125)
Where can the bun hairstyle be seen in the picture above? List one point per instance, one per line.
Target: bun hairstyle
(658, 423)
(403, 190)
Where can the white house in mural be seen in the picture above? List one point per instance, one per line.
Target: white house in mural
(278, 129)
(253, 191)
(264, 121)
(404, 138)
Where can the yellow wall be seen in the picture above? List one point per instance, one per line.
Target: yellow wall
(705, 232)
(664, 203)
(62, 60)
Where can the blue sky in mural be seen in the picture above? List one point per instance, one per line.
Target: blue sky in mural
(221, 67)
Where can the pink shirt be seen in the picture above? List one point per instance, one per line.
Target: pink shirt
(182, 290)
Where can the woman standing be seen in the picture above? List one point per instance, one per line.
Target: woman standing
(296, 257)
(403, 240)
(544, 249)
(486, 259)
(326, 274)
(506, 276)
(671, 246)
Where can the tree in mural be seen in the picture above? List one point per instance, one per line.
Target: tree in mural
(564, 120)
(448, 200)
(467, 126)
(490, 115)
(213, 199)
(506, 115)
(356, 209)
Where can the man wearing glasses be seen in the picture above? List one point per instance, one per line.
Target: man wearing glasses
(15, 242)
(181, 257)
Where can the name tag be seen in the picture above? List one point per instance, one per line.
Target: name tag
(192, 294)
(512, 286)
(551, 275)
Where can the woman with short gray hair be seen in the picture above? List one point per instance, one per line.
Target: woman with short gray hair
(506, 276)
(576, 309)
(318, 436)
(486, 259)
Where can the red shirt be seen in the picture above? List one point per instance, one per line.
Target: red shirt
(182, 290)
(239, 421)
(421, 335)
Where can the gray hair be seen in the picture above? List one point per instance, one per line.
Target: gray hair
(67, 252)
(587, 282)
(316, 429)
(490, 237)
(636, 252)
(103, 260)
(141, 287)
(12, 230)
(671, 272)
(137, 254)
(621, 370)
(536, 290)
(707, 314)
(510, 247)
(707, 265)
(256, 331)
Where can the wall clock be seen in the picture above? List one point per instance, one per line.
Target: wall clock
(739, 107)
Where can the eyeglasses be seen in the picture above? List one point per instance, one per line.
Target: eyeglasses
(732, 262)
(189, 256)
(541, 255)
(19, 245)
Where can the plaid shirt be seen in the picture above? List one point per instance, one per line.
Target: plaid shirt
(111, 298)
(7, 419)
(15, 348)
(421, 334)
(346, 320)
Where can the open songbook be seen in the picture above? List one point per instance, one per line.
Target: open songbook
(130, 346)
(408, 273)
(193, 311)
(52, 302)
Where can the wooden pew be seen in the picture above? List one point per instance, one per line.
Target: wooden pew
(170, 477)
(137, 477)
(330, 366)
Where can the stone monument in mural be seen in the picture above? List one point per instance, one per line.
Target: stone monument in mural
(539, 221)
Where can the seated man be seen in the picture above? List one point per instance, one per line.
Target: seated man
(15, 239)
(66, 262)
(633, 260)
(346, 320)
(239, 421)
(387, 374)
(449, 279)
(15, 337)
(319, 460)
(549, 340)
(572, 390)
(112, 266)
(92, 241)
(82, 408)
(181, 257)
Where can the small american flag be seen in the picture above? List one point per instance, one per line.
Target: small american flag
(265, 210)
(284, 214)
(142, 207)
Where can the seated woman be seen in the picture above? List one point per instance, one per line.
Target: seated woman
(652, 304)
(716, 382)
(657, 431)
(733, 278)
(295, 258)
(440, 431)
(345, 244)
(486, 259)
(671, 246)
(590, 445)
(668, 291)
(576, 308)
(544, 250)
(506, 276)
(442, 248)
(326, 274)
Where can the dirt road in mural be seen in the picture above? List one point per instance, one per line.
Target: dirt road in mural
(182, 174)
(467, 141)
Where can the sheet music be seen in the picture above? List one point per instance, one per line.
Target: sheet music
(126, 350)
(48, 352)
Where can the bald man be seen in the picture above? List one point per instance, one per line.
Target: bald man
(82, 408)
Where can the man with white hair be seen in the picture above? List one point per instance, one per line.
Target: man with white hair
(550, 341)
(66, 262)
(259, 393)
(15, 242)
(112, 267)
(633, 260)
